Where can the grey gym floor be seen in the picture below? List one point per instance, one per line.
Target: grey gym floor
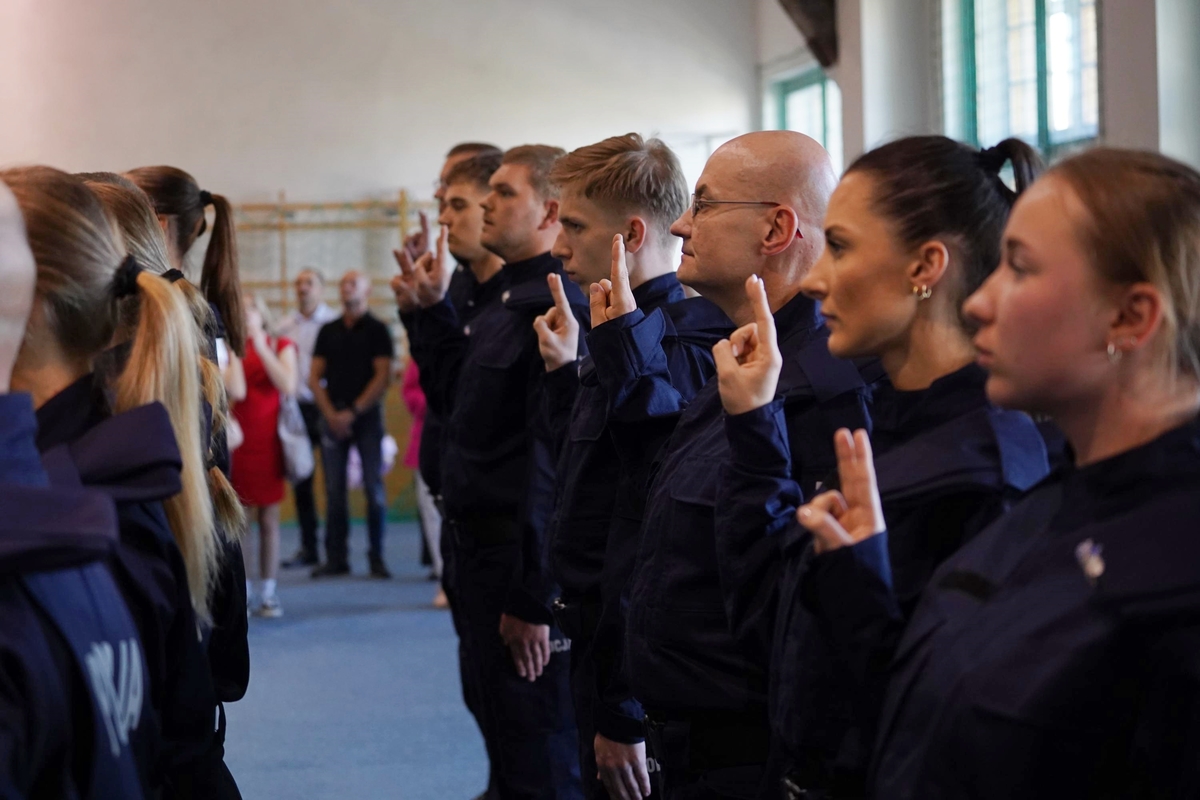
(354, 692)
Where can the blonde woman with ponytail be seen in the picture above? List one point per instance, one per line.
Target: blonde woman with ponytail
(133, 429)
(228, 649)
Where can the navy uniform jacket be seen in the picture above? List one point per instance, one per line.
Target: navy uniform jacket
(595, 540)
(947, 464)
(1055, 655)
(485, 379)
(133, 458)
(680, 656)
(588, 467)
(72, 696)
(467, 296)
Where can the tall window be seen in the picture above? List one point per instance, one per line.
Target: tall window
(1025, 68)
(810, 103)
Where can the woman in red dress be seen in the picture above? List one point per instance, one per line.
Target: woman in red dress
(258, 472)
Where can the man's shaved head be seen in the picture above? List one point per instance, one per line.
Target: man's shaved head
(760, 205)
(784, 167)
(18, 276)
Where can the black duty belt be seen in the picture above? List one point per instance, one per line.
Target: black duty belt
(578, 619)
(711, 739)
(484, 529)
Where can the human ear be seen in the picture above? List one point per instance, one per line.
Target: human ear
(930, 265)
(1139, 314)
(551, 216)
(635, 234)
(785, 224)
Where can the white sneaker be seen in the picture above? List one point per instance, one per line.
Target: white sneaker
(269, 608)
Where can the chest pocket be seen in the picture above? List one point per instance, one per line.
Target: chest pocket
(696, 483)
(590, 419)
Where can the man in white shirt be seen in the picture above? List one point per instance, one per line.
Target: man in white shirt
(302, 327)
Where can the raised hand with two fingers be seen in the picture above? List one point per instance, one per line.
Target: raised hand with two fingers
(612, 297)
(417, 244)
(748, 362)
(557, 330)
(854, 513)
(426, 280)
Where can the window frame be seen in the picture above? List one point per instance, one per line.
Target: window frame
(804, 80)
(970, 87)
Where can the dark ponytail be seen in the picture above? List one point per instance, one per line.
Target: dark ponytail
(177, 195)
(931, 187)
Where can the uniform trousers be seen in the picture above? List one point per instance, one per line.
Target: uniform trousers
(528, 728)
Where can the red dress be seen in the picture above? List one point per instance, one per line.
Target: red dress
(257, 474)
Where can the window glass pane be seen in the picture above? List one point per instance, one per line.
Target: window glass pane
(1071, 69)
(833, 125)
(1006, 69)
(805, 110)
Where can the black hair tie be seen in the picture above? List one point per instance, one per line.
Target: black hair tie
(206, 198)
(124, 282)
(173, 275)
(992, 160)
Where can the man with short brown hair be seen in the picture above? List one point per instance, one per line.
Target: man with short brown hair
(483, 378)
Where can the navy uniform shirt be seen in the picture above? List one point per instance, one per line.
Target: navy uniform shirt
(485, 378)
(597, 539)
(680, 656)
(1055, 655)
(134, 459)
(467, 297)
(588, 467)
(71, 669)
(947, 464)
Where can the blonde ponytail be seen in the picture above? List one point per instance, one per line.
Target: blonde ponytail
(164, 366)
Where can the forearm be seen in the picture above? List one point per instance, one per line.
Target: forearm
(321, 398)
(283, 378)
(372, 394)
(756, 501)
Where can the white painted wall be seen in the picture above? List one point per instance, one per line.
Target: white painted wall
(338, 100)
(1129, 74)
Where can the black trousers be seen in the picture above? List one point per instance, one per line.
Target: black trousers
(528, 728)
(306, 504)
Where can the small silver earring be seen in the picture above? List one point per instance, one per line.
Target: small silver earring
(1114, 355)
(922, 292)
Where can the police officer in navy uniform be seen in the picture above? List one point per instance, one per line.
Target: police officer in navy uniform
(72, 681)
(632, 190)
(497, 479)
(476, 282)
(1057, 654)
(912, 229)
(757, 212)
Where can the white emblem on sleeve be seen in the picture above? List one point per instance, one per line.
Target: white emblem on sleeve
(116, 678)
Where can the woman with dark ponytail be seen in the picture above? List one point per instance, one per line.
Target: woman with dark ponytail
(181, 204)
(912, 229)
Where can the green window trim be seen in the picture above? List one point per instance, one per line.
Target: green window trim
(804, 80)
(970, 88)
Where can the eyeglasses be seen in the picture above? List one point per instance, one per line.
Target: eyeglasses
(699, 203)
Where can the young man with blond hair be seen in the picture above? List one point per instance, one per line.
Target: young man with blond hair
(618, 195)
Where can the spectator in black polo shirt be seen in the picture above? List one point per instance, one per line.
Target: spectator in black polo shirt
(351, 368)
